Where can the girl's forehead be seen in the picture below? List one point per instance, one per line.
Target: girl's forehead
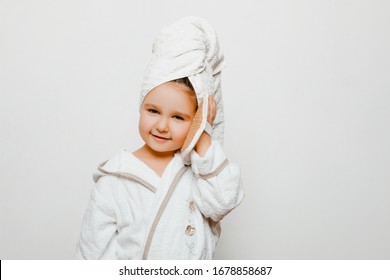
(164, 91)
(173, 94)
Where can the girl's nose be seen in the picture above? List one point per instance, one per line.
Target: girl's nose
(162, 125)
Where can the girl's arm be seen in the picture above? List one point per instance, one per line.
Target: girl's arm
(218, 188)
(98, 227)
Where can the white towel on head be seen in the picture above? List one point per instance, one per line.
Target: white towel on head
(189, 48)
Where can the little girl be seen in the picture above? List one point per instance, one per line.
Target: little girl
(166, 199)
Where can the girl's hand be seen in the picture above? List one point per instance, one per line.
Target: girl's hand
(204, 141)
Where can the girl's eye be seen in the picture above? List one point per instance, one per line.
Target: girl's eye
(152, 111)
(178, 118)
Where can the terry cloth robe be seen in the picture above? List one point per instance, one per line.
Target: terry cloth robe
(135, 214)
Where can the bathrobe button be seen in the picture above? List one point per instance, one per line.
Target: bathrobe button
(192, 206)
(190, 230)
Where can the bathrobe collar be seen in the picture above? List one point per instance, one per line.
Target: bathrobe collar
(125, 165)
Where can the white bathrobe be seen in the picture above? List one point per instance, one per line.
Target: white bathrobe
(135, 214)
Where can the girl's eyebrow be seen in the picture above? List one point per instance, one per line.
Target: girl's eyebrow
(151, 105)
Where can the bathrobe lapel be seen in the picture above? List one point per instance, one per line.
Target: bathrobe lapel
(166, 186)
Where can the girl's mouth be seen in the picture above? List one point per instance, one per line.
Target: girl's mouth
(160, 138)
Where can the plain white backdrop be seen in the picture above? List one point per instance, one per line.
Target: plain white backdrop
(307, 106)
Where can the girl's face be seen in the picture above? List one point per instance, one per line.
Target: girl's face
(166, 116)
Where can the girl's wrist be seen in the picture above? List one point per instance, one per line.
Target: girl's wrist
(203, 144)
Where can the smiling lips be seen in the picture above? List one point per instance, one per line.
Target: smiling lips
(160, 138)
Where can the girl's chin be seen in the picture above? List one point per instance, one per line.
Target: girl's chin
(160, 149)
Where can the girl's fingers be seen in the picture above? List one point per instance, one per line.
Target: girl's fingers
(212, 110)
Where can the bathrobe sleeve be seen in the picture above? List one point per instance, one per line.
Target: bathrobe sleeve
(98, 226)
(218, 188)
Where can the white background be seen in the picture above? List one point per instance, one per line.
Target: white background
(307, 110)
